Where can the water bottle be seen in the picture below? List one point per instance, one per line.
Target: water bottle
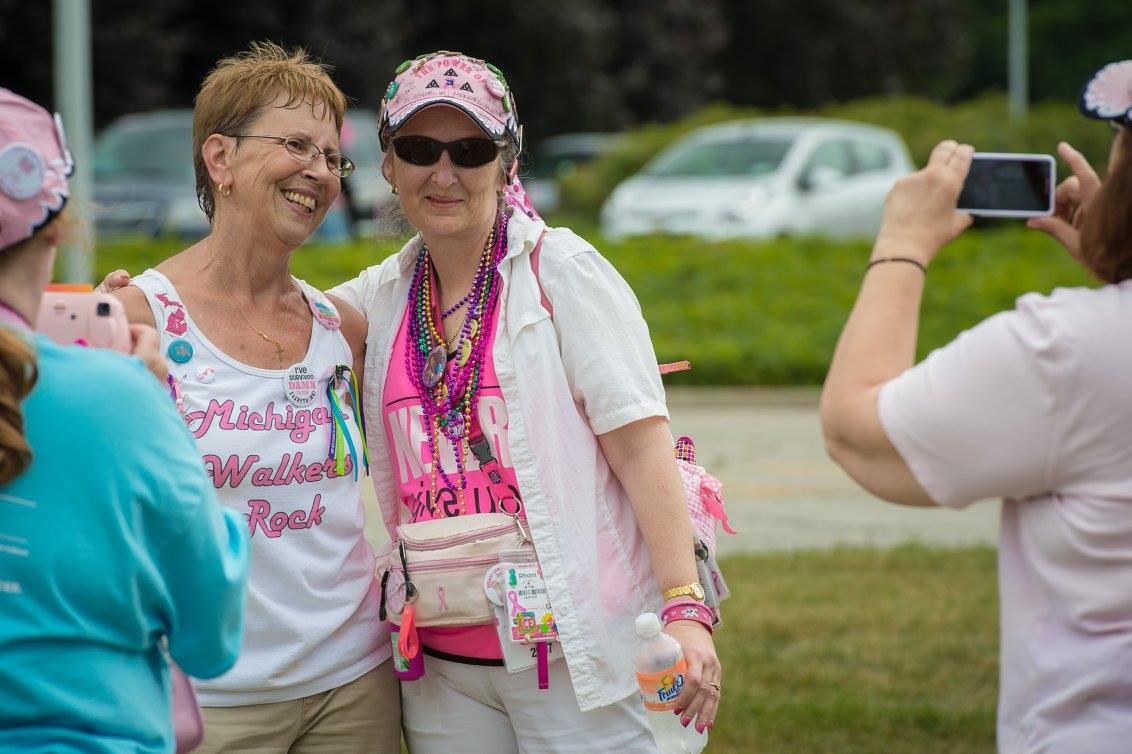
(660, 674)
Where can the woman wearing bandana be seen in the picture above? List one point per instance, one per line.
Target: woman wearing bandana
(509, 370)
(110, 538)
(1032, 405)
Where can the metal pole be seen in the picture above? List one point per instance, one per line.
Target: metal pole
(1019, 86)
(74, 101)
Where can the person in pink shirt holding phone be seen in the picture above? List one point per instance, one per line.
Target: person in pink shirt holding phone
(1032, 405)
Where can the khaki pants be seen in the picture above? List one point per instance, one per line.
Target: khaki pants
(362, 716)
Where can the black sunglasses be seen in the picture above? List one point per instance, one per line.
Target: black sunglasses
(465, 153)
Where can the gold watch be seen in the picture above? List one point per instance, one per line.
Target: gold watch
(693, 590)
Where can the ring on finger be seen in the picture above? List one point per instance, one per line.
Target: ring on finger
(716, 684)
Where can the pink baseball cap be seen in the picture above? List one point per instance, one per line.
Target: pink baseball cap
(34, 165)
(1108, 94)
(451, 78)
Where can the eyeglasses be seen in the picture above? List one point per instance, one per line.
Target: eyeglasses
(305, 150)
(466, 153)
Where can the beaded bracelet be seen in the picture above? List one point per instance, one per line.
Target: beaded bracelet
(688, 610)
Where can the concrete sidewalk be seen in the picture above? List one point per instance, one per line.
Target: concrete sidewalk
(782, 491)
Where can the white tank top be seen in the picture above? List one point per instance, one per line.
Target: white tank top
(312, 607)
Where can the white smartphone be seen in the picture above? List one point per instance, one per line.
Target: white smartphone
(1009, 185)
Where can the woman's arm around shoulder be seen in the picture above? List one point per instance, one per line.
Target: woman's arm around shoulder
(136, 305)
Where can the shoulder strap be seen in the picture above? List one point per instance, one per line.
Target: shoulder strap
(534, 268)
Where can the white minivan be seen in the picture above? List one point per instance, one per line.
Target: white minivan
(761, 179)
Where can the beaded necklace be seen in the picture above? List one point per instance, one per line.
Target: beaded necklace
(448, 395)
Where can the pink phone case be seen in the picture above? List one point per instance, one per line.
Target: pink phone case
(88, 319)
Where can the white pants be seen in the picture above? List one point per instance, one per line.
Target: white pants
(460, 707)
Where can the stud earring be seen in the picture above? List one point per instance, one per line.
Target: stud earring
(225, 190)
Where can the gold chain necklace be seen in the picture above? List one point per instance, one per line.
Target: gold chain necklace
(267, 338)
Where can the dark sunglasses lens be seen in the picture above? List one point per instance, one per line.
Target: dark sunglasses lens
(471, 153)
(418, 150)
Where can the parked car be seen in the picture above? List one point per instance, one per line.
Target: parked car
(555, 158)
(763, 178)
(144, 182)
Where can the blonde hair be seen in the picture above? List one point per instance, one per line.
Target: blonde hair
(237, 90)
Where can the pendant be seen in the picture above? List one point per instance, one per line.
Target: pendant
(465, 352)
(434, 366)
(473, 328)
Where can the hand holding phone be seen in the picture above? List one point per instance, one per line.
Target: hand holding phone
(1009, 185)
(1071, 201)
(89, 319)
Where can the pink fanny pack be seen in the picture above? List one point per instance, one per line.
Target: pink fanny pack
(442, 563)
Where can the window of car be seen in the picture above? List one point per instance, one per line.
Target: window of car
(150, 152)
(735, 157)
(551, 164)
(869, 156)
(833, 155)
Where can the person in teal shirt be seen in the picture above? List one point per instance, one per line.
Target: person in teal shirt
(111, 538)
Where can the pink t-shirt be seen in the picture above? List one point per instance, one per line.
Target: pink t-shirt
(1034, 405)
(404, 423)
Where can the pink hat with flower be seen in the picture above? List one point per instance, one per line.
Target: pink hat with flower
(34, 165)
(451, 78)
(1108, 95)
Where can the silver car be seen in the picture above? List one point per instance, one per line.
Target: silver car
(763, 179)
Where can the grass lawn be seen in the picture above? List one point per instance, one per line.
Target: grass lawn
(746, 313)
(859, 650)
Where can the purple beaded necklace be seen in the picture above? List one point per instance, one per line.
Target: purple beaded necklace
(448, 391)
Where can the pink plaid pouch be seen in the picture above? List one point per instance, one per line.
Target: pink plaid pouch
(703, 493)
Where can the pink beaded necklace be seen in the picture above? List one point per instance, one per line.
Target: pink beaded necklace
(448, 394)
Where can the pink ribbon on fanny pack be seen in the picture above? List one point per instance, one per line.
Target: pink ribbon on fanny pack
(443, 602)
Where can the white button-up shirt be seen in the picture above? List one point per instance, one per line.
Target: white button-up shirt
(589, 370)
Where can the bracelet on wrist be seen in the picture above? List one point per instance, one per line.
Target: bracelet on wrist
(907, 260)
(689, 610)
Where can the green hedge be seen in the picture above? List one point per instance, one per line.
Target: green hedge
(982, 122)
(752, 313)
